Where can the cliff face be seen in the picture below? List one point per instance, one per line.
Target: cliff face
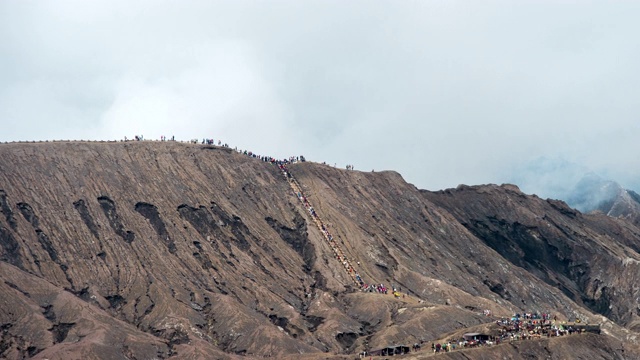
(171, 249)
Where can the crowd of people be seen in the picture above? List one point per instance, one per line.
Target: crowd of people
(212, 142)
(379, 288)
(270, 159)
(532, 325)
(526, 326)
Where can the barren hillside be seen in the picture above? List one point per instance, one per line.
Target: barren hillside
(164, 249)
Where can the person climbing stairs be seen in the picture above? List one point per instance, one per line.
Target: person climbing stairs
(337, 250)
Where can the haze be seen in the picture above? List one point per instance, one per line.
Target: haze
(444, 92)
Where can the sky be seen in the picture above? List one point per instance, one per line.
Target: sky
(536, 93)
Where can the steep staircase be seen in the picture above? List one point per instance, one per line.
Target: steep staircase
(337, 250)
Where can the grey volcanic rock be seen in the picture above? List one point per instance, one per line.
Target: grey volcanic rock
(164, 249)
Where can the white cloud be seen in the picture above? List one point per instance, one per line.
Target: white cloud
(443, 92)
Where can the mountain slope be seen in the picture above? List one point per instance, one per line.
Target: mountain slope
(199, 251)
(592, 259)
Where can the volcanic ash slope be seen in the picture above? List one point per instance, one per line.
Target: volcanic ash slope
(165, 249)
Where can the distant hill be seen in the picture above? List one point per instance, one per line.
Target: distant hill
(593, 193)
(172, 250)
